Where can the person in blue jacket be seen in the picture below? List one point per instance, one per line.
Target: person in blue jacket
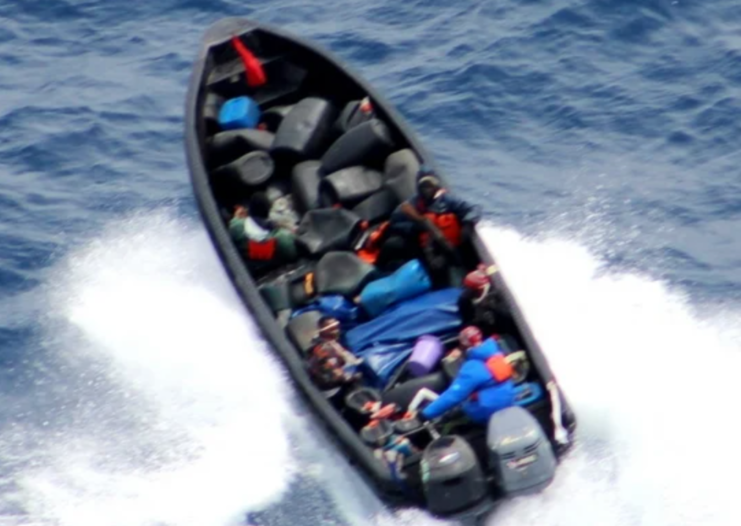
(483, 386)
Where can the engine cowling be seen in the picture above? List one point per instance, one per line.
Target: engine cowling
(520, 454)
(452, 478)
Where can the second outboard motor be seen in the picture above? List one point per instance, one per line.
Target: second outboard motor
(451, 475)
(519, 452)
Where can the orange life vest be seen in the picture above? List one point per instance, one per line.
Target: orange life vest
(449, 226)
(371, 249)
(261, 250)
(500, 370)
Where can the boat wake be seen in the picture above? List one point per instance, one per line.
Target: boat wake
(187, 419)
(653, 384)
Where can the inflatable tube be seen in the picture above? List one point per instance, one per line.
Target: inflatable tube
(367, 144)
(249, 171)
(400, 173)
(228, 146)
(342, 273)
(352, 115)
(327, 229)
(272, 117)
(377, 207)
(305, 185)
(305, 130)
(349, 186)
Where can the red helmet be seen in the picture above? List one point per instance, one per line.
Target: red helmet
(470, 337)
(476, 280)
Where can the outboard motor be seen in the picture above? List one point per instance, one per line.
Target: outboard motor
(520, 454)
(451, 475)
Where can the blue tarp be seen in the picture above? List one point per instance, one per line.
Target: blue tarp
(383, 360)
(387, 341)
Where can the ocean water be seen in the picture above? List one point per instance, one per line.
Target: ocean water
(601, 139)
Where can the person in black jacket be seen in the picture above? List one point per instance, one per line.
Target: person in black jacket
(435, 215)
(433, 226)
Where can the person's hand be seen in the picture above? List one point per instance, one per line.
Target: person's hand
(240, 211)
(441, 240)
(384, 412)
(409, 415)
(437, 234)
(371, 407)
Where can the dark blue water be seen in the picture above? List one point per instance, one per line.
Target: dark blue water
(601, 138)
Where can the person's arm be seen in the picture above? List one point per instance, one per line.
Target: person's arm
(236, 229)
(401, 222)
(462, 387)
(423, 395)
(423, 223)
(466, 212)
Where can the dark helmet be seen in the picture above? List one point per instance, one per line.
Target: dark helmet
(428, 184)
(425, 174)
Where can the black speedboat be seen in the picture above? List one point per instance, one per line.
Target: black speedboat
(268, 112)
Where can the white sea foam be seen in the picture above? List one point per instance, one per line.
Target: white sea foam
(218, 431)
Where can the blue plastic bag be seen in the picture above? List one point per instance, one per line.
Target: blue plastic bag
(409, 281)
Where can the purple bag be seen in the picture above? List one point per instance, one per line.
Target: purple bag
(426, 354)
